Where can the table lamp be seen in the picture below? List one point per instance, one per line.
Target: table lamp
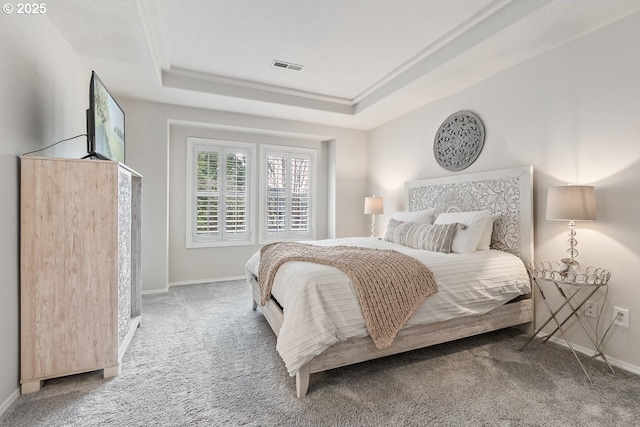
(571, 203)
(373, 205)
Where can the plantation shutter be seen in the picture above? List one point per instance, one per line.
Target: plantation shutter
(300, 194)
(276, 194)
(207, 197)
(236, 195)
(222, 204)
(288, 195)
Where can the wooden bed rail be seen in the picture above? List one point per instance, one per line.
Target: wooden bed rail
(357, 350)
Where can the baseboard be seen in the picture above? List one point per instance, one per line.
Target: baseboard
(135, 323)
(589, 352)
(192, 282)
(10, 400)
(199, 282)
(156, 291)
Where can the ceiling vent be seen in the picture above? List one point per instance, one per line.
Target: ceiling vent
(287, 65)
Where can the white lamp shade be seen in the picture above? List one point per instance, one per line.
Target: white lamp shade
(373, 205)
(571, 203)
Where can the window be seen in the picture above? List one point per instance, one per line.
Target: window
(221, 200)
(287, 193)
(219, 204)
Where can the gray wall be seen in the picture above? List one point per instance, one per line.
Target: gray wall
(156, 147)
(43, 98)
(44, 92)
(573, 114)
(187, 264)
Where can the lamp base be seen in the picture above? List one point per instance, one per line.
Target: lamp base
(572, 251)
(373, 225)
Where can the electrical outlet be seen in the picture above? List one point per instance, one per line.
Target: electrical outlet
(621, 316)
(591, 309)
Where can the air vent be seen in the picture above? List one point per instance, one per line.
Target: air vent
(287, 65)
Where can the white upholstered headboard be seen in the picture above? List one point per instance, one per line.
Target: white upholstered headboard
(507, 192)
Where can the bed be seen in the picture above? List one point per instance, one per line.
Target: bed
(321, 326)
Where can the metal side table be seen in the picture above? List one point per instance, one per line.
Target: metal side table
(574, 279)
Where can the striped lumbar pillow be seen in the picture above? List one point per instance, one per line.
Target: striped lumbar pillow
(431, 237)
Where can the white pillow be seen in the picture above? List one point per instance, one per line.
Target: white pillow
(485, 240)
(465, 240)
(420, 217)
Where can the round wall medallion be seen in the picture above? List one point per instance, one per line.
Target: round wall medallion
(459, 140)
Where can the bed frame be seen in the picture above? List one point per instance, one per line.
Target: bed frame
(508, 192)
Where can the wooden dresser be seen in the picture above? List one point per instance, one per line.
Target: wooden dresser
(80, 286)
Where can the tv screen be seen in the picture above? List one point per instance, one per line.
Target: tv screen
(105, 123)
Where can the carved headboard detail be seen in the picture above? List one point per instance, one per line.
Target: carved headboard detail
(507, 192)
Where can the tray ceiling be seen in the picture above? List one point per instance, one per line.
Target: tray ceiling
(364, 61)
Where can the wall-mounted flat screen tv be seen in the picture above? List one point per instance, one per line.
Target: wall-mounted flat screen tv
(105, 123)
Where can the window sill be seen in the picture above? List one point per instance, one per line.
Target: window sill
(221, 244)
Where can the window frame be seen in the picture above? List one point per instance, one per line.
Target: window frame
(311, 153)
(193, 240)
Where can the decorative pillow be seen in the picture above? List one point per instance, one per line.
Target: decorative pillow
(421, 217)
(431, 237)
(439, 237)
(395, 231)
(485, 240)
(466, 240)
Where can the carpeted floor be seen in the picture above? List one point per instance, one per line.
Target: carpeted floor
(202, 357)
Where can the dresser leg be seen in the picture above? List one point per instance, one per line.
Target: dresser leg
(111, 372)
(30, 387)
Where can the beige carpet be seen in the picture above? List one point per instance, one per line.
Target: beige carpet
(202, 357)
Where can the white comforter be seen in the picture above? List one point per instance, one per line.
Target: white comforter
(321, 307)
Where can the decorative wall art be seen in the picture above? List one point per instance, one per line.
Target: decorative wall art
(459, 141)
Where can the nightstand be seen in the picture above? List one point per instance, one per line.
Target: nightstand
(568, 281)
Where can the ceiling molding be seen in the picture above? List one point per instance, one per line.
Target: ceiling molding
(227, 86)
(262, 131)
(441, 42)
(497, 16)
(150, 16)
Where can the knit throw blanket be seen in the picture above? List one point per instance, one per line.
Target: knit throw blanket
(389, 285)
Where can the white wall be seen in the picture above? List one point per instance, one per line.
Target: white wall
(572, 114)
(44, 92)
(156, 147)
